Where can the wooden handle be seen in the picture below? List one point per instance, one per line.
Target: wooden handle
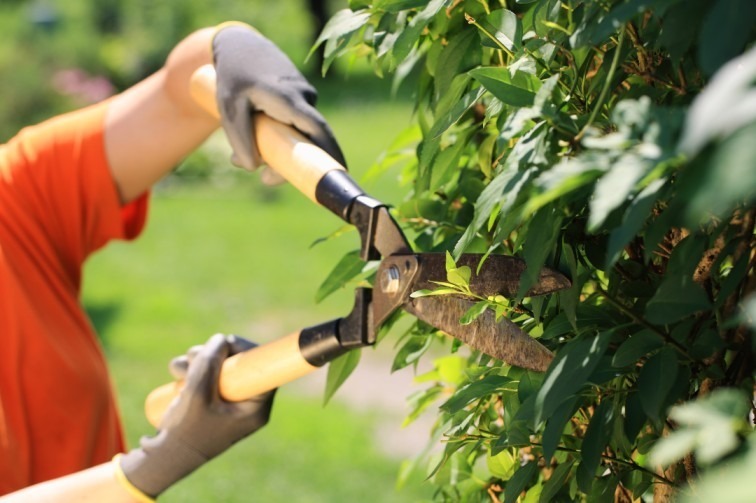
(244, 375)
(284, 149)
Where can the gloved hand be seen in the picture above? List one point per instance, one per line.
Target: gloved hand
(198, 425)
(253, 75)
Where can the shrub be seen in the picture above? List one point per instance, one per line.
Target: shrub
(613, 140)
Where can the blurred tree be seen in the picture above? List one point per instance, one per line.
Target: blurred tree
(115, 41)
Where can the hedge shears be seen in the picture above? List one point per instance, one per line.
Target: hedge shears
(400, 272)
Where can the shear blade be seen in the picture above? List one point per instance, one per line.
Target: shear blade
(500, 339)
(499, 275)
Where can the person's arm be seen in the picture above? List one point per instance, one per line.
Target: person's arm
(94, 485)
(152, 126)
(198, 426)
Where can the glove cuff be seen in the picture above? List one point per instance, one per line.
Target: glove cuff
(124, 481)
(159, 463)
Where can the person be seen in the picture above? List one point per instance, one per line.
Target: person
(67, 187)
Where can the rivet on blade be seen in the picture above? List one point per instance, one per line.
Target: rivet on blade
(390, 280)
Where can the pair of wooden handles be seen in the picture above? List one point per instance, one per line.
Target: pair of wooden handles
(303, 165)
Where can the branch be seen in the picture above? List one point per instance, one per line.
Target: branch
(645, 324)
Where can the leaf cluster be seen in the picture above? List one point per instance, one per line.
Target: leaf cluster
(613, 141)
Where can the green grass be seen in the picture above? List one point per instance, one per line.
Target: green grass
(238, 259)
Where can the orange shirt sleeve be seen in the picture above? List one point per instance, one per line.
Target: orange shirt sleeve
(58, 204)
(60, 172)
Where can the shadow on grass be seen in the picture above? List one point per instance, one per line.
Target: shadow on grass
(102, 317)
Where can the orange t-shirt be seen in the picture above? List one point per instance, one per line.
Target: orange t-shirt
(58, 204)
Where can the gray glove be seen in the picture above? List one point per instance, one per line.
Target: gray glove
(198, 425)
(253, 75)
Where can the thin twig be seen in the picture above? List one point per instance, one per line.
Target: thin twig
(625, 462)
(645, 324)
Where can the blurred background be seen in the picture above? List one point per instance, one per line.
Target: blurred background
(223, 253)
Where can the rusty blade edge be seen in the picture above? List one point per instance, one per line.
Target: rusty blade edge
(501, 339)
(499, 275)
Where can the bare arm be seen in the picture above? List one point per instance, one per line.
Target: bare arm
(150, 127)
(93, 485)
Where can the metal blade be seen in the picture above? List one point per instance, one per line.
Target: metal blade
(502, 340)
(499, 275)
(400, 275)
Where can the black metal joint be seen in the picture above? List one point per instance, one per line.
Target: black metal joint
(337, 191)
(356, 329)
(320, 344)
(364, 215)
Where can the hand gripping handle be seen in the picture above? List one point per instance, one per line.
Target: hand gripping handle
(262, 368)
(283, 148)
(244, 375)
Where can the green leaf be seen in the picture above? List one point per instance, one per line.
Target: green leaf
(569, 372)
(727, 178)
(411, 33)
(501, 465)
(674, 447)
(414, 347)
(474, 312)
(709, 426)
(338, 372)
(594, 442)
(656, 379)
(679, 29)
(636, 347)
(343, 23)
(556, 481)
(567, 176)
(715, 48)
(676, 298)
(503, 190)
(459, 276)
(398, 5)
(555, 423)
(588, 318)
(519, 481)
(614, 20)
(430, 293)
(449, 262)
(518, 91)
(540, 240)
(603, 490)
(614, 188)
(459, 55)
(454, 114)
(504, 25)
(530, 383)
(632, 222)
(719, 110)
(678, 295)
(349, 267)
(464, 396)
(451, 369)
(635, 417)
(735, 275)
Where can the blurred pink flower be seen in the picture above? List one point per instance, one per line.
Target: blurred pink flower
(82, 87)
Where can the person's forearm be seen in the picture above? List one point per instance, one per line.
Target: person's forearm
(94, 485)
(150, 127)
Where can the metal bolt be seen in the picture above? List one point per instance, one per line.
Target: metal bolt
(390, 280)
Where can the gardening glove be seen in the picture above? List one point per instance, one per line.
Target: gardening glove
(254, 75)
(198, 425)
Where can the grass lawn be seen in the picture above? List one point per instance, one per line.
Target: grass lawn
(238, 259)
